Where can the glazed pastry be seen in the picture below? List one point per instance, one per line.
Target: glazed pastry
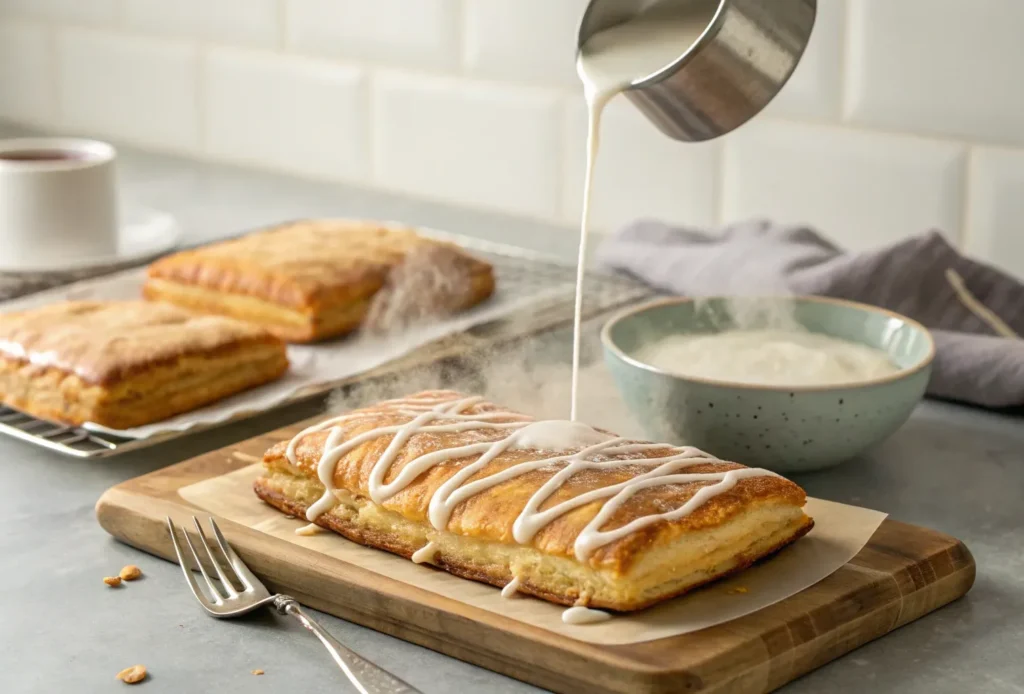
(128, 363)
(306, 281)
(557, 510)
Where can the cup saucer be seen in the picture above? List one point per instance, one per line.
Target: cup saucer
(144, 234)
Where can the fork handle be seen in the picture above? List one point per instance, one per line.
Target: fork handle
(364, 675)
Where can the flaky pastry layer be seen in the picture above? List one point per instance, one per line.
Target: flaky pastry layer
(289, 324)
(303, 281)
(666, 558)
(685, 564)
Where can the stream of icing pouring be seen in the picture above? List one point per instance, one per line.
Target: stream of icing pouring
(574, 446)
(609, 62)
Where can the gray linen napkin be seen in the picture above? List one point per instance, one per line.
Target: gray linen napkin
(973, 364)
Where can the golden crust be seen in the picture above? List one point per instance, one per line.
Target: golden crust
(304, 281)
(550, 578)
(757, 516)
(127, 363)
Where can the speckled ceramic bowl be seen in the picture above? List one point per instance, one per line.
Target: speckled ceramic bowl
(782, 429)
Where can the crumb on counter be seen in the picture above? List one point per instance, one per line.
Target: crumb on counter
(112, 581)
(130, 573)
(133, 674)
(739, 590)
(246, 457)
(257, 672)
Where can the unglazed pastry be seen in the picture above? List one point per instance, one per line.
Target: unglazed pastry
(305, 281)
(127, 363)
(553, 509)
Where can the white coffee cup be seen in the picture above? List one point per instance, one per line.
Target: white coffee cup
(58, 202)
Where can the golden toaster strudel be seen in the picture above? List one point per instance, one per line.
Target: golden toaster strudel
(571, 514)
(311, 280)
(123, 364)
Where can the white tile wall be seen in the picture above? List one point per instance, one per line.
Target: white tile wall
(476, 102)
(477, 143)
(249, 22)
(74, 11)
(293, 114)
(526, 40)
(864, 189)
(26, 90)
(938, 66)
(138, 89)
(997, 208)
(416, 33)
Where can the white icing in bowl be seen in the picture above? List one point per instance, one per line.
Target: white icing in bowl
(768, 358)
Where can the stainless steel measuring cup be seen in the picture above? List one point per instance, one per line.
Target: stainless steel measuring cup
(741, 61)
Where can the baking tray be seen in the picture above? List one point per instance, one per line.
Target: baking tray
(552, 280)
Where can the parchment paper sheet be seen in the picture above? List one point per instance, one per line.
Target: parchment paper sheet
(840, 532)
(310, 364)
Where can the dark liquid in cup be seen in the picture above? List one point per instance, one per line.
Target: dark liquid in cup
(44, 155)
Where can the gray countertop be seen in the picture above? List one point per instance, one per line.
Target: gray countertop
(955, 469)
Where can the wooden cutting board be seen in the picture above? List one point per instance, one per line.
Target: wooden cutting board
(903, 573)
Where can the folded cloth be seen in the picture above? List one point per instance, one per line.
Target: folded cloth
(974, 311)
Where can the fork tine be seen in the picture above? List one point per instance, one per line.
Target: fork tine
(217, 598)
(224, 580)
(247, 577)
(200, 596)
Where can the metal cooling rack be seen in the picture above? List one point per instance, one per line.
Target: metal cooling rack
(516, 269)
(74, 441)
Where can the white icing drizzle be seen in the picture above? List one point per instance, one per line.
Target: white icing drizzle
(509, 591)
(308, 530)
(425, 554)
(557, 435)
(583, 615)
(563, 439)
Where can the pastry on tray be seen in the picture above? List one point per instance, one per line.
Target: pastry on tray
(123, 364)
(571, 514)
(311, 280)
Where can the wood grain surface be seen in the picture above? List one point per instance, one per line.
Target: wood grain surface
(903, 573)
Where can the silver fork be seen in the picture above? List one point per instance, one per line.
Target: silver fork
(364, 675)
